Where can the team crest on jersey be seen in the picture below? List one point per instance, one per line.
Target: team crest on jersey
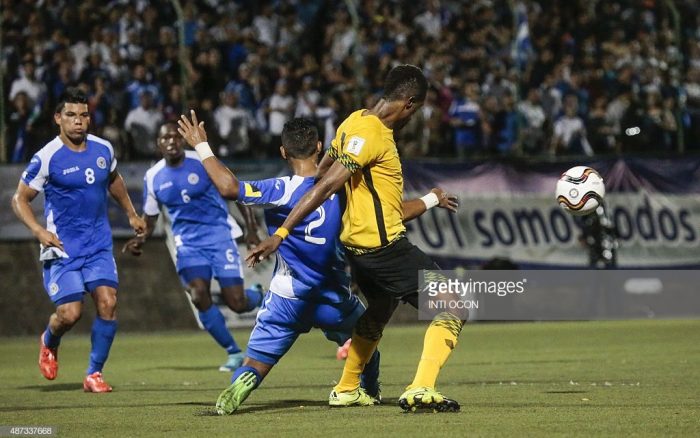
(101, 162)
(193, 178)
(53, 288)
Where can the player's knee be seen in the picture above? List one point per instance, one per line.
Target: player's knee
(237, 303)
(107, 307)
(200, 297)
(67, 317)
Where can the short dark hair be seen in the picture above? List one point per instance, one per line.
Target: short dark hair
(71, 95)
(299, 138)
(405, 81)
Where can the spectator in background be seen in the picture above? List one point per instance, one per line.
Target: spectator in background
(466, 118)
(280, 109)
(18, 128)
(141, 84)
(142, 124)
(600, 131)
(245, 88)
(307, 99)
(99, 103)
(570, 132)
(505, 129)
(232, 123)
(28, 84)
(533, 119)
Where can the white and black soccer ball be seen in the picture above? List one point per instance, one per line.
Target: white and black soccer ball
(580, 190)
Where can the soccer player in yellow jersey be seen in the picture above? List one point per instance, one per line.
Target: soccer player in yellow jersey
(363, 158)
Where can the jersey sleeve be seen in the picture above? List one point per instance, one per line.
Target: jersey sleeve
(265, 193)
(150, 203)
(357, 150)
(36, 173)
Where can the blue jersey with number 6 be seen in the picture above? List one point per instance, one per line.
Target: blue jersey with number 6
(75, 190)
(199, 214)
(308, 261)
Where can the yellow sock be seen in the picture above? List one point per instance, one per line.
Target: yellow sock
(360, 352)
(440, 340)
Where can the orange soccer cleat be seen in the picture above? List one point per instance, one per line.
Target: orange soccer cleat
(48, 360)
(94, 383)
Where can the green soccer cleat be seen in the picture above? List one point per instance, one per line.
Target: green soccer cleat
(233, 396)
(235, 360)
(424, 398)
(357, 397)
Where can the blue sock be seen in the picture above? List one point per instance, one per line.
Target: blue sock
(213, 320)
(50, 340)
(244, 369)
(255, 298)
(369, 379)
(103, 332)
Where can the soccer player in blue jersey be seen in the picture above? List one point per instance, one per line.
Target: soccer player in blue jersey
(310, 287)
(205, 236)
(75, 171)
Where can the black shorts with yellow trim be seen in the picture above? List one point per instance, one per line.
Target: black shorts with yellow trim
(392, 270)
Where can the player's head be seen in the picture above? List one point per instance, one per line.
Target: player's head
(405, 86)
(300, 140)
(72, 115)
(170, 143)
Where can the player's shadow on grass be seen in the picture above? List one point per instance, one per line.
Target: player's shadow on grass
(55, 387)
(180, 368)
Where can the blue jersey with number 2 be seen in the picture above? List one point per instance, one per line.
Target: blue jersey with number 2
(308, 260)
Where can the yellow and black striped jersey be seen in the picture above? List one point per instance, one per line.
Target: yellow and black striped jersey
(373, 215)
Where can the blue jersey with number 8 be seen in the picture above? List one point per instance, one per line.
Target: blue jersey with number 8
(309, 259)
(75, 193)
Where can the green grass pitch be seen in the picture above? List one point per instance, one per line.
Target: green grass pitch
(581, 378)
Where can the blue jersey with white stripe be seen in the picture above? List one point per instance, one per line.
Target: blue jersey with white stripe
(75, 186)
(198, 213)
(309, 260)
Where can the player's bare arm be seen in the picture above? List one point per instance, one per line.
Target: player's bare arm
(416, 207)
(135, 243)
(331, 182)
(221, 176)
(250, 236)
(324, 165)
(21, 206)
(117, 188)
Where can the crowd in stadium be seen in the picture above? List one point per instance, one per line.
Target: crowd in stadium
(594, 77)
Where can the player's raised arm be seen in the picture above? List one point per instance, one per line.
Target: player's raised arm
(331, 182)
(22, 208)
(117, 188)
(436, 198)
(221, 176)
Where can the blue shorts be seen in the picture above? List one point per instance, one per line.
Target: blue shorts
(281, 320)
(221, 261)
(65, 280)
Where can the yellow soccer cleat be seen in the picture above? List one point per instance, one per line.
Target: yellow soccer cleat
(357, 397)
(424, 398)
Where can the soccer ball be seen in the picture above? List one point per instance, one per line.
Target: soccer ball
(580, 190)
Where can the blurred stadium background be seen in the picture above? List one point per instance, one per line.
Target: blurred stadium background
(520, 91)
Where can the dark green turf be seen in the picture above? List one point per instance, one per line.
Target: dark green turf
(588, 378)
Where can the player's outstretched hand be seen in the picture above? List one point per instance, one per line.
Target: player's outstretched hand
(138, 224)
(447, 200)
(192, 130)
(47, 238)
(262, 251)
(133, 246)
